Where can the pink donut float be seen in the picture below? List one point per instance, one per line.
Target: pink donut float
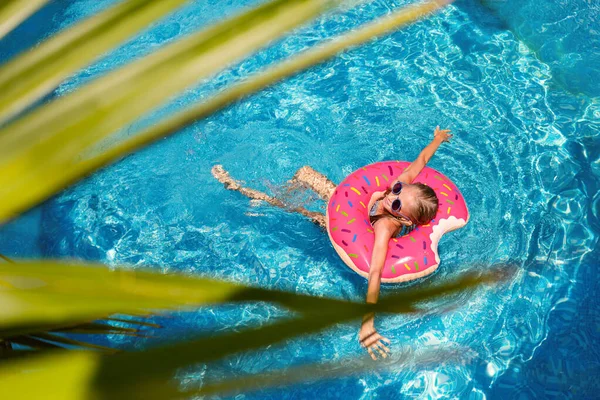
(408, 257)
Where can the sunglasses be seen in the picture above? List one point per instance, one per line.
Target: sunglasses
(397, 204)
(396, 189)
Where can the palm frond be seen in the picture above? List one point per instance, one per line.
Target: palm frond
(48, 294)
(41, 153)
(137, 375)
(13, 12)
(46, 186)
(404, 359)
(38, 71)
(38, 148)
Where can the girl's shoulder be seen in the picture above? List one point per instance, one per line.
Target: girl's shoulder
(389, 223)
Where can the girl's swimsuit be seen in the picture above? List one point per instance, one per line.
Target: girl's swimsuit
(373, 211)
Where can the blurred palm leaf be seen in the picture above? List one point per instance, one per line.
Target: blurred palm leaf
(37, 339)
(43, 293)
(406, 358)
(141, 375)
(57, 166)
(77, 370)
(38, 148)
(12, 12)
(34, 74)
(142, 368)
(49, 376)
(54, 294)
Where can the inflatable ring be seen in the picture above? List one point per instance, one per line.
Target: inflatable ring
(408, 257)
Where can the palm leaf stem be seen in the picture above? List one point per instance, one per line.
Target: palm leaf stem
(8, 260)
(134, 322)
(72, 342)
(34, 343)
(46, 341)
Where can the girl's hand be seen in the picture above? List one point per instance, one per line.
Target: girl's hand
(442, 134)
(373, 341)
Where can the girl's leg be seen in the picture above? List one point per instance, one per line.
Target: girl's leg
(319, 183)
(223, 176)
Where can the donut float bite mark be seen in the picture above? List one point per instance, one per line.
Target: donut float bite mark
(409, 257)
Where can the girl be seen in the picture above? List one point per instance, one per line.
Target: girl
(393, 212)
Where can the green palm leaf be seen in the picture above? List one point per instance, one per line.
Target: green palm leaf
(139, 375)
(213, 348)
(53, 294)
(51, 173)
(50, 376)
(57, 294)
(34, 74)
(12, 12)
(41, 146)
(406, 358)
(76, 372)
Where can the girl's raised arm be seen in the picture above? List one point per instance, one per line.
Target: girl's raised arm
(439, 136)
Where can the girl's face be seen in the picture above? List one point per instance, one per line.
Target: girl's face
(407, 198)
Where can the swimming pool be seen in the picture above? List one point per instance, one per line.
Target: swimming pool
(525, 155)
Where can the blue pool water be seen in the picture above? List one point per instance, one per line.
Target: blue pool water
(525, 153)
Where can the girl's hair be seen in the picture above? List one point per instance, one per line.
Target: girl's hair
(427, 204)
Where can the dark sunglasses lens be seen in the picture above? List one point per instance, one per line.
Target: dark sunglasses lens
(397, 188)
(396, 205)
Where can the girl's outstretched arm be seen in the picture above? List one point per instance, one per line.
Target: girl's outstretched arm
(368, 335)
(439, 136)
